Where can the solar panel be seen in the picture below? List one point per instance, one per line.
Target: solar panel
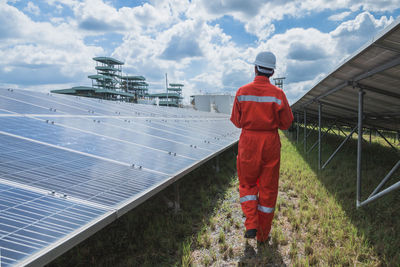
(362, 91)
(30, 221)
(69, 165)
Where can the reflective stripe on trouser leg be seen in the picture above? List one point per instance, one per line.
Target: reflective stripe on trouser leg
(265, 209)
(265, 222)
(248, 198)
(265, 216)
(268, 192)
(248, 174)
(249, 202)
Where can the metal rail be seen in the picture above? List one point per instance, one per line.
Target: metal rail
(338, 148)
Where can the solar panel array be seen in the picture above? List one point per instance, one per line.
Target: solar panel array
(363, 91)
(71, 165)
(374, 68)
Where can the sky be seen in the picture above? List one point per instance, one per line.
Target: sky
(209, 46)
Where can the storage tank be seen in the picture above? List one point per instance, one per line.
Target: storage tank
(213, 103)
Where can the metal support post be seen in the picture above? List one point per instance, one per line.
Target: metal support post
(217, 164)
(359, 144)
(305, 130)
(298, 128)
(319, 134)
(177, 201)
(316, 143)
(310, 132)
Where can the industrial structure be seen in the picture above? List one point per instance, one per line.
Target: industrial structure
(363, 95)
(109, 72)
(109, 83)
(279, 81)
(171, 98)
(136, 85)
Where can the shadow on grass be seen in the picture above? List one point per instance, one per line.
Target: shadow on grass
(153, 234)
(266, 255)
(377, 221)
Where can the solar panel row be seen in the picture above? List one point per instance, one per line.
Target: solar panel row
(69, 164)
(362, 93)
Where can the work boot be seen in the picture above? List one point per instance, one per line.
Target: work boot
(265, 242)
(251, 233)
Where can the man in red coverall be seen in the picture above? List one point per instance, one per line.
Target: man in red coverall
(260, 109)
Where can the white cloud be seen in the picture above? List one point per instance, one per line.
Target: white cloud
(339, 16)
(178, 37)
(348, 37)
(352, 34)
(302, 54)
(39, 52)
(259, 16)
(200, 65)
(68, 3)
(32, 8)
(373, 5)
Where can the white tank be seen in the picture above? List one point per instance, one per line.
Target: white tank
(214, 103)
(202, 103)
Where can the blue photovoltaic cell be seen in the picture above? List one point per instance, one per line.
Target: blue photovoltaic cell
(154, 128)
(31, 221)
(135, 134)
(66, 172)
(20, 107)
(46, 103)
(66, 161)
(93, 144)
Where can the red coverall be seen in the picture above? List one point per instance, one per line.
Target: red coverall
(260, 108)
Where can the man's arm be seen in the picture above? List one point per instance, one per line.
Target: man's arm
(285, 114)
(235, 116)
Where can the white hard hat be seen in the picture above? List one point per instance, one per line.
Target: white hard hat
(266, 60)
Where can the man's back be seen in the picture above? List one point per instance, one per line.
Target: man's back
(261, 106)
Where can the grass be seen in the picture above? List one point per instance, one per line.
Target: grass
(333, 228)
(316, 221)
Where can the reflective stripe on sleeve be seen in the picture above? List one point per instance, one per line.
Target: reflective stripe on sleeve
(248, 198)
(262, 99)
(265, 209)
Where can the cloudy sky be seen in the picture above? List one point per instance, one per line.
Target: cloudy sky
(208, 45)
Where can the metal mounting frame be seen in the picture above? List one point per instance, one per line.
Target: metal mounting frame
(359, 127)
(354, 77)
